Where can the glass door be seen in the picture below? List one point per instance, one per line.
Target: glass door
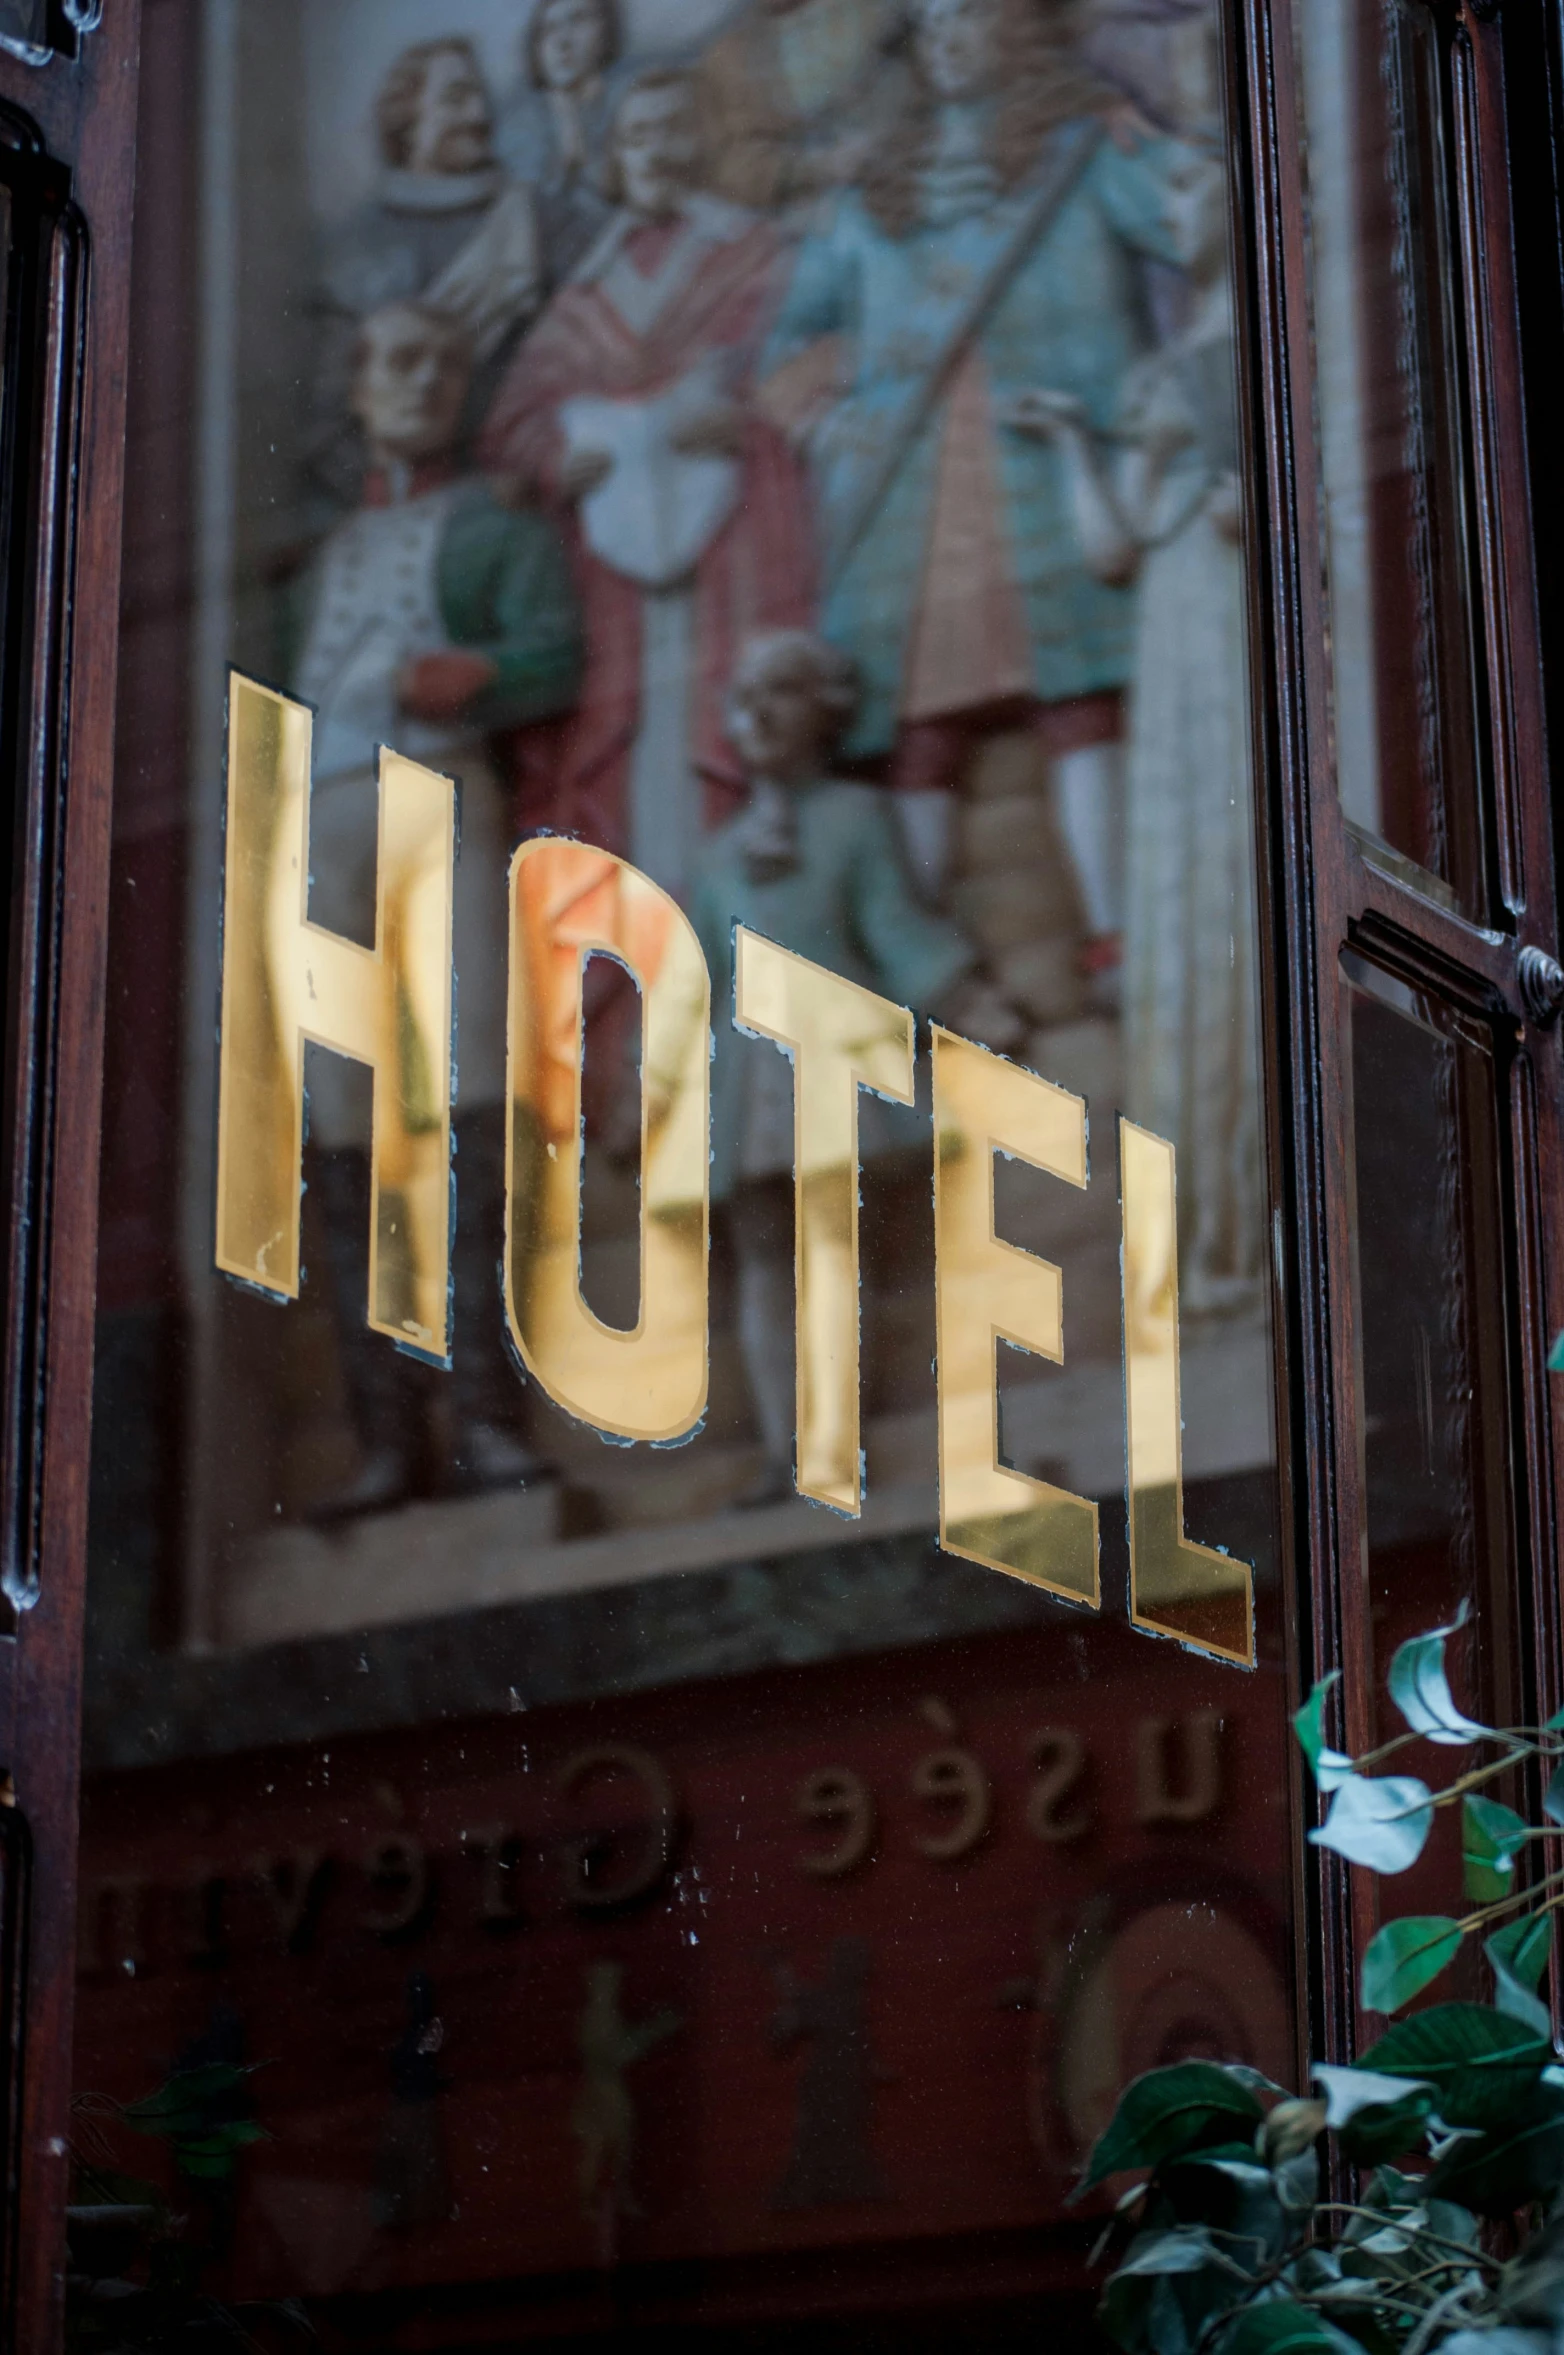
(829, 1124)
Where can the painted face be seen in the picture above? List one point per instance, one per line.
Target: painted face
(774, 714)
(958, 46)
(454, 130)
(410, 385)
(572, 43)
(657, 140)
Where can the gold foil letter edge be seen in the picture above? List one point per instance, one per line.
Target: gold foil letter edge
(286, 980)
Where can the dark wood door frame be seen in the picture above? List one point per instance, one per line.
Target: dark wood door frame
(82, 115)
(1325, 896)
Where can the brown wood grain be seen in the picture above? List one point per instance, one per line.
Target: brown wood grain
(86, 114)
(1324, 896)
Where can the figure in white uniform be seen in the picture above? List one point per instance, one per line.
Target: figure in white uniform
(433, 617)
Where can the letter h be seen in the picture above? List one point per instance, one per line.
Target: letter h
(286, 980)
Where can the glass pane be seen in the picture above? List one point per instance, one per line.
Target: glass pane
(689, 1796)
(1432, 1407)
(1385, 264)
(24, 26)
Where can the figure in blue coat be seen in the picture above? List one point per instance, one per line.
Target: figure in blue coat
(995, 245)
(813, 863)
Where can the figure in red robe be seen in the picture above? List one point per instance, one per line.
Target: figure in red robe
(688, 516)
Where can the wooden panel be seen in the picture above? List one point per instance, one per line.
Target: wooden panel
(85, 116)
(1326, 894)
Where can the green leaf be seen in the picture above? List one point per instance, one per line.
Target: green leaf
(1376, 2117)
(1502, 2339)
(1524, 1947)
(1553, 1796)
(1124, 2314)
(190, 2102)
(1519, 1955)
(187, 2088)
(1404, 1956)
(1389, 2192)
(1347, 2091)
(1256, 2079)
(1165, 2314)
(1479, 2062)
(1257, 2212)
(1381, 1821)
(1309, 1722)
(1420, 1687)
(1556, 1355)
(1533, 2287)
(1328, 1767)
(1519, 2002)
(1168, 2111)
(1503, 2170)
(1369, 2335)
(1189, 2248)
(1491, 1837)
(1388, 2131)
(1280, 2328)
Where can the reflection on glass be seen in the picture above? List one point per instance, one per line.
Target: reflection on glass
(1430, 1294)
(1384, 252)
(24, 28)
(286, 980)
(789, 450)
(841, 1037)
(988, 1292)
(568, 903)
(1184, 1590)
(812, 868)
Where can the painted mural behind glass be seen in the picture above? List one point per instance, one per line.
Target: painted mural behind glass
(796, 454)
(792, 448)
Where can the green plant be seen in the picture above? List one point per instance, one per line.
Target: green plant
(136, 2269)
(1454, 2118)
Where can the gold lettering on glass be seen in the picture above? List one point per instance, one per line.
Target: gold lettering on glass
(570, 902)
(286, 980)
(1203, 1597)
(987, 1291)
(841, 1037)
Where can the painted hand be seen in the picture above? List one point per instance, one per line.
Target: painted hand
(441, 686)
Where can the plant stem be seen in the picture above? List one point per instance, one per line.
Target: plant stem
(1436, 2314)
(1381, 2220)
(1520, 1742)
(1516, 1903)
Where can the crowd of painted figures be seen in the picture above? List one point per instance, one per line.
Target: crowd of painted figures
(805, 466)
